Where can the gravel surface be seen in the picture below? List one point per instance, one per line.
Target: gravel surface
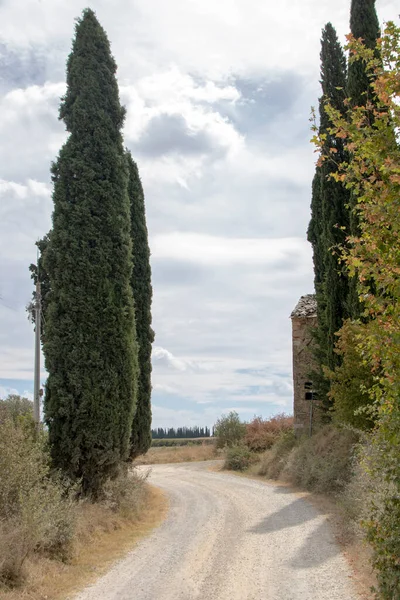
(230, 538)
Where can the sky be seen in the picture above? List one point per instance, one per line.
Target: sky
(218, 98)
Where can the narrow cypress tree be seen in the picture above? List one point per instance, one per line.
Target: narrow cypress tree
(334, 196)
(142, 294)
(90, 343)
(363, 24)
(329, 217)
(314, 232)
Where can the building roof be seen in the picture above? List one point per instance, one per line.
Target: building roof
(306, 307)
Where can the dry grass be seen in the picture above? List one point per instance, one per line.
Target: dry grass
(165, 455)
(102, 537)
(182, 442)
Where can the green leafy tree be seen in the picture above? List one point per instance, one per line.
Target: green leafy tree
(373, 175)
(229, 430)
(329, 219)
(142, 294)
(16, 408)
(364, 24)
(90, 342)
(352, 380)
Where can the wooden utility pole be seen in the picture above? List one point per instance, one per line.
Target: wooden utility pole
(36, 388)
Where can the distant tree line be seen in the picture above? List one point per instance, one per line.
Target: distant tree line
(181, 432)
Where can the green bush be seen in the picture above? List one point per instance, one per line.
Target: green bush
(16, 408)
(36, 509)
(238, 458)
(229, 430)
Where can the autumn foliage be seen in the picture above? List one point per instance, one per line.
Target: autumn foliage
(261, 434)
(371, 135)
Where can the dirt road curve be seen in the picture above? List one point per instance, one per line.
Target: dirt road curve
(230, 538)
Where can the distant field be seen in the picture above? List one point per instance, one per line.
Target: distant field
(176, 454)
(172, 442)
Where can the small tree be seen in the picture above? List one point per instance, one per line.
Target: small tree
(229, 430)
(15, 408)
(352, 381)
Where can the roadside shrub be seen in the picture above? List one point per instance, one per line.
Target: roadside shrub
(238, 458)
(262, 434)
(274, 460)
(229, 430)
(126, 493)
(323, 463)
(381, 519)
(36, 509)
(362, 487)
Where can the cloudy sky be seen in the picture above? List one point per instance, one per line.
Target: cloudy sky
(218, 95)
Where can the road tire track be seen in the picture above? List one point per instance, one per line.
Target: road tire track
(230, 538)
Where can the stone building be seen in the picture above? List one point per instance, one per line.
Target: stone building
(304, 318)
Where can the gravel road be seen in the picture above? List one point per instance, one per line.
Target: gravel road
(230, 538)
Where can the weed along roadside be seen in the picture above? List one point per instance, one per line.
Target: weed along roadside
(52, 541)
(102, 535)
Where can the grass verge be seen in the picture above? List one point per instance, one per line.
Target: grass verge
(102, 538)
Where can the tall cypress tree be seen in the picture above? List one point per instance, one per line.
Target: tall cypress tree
(334, 196)
(90, 343)
(142, 293)
(329, 215)
(363, 24)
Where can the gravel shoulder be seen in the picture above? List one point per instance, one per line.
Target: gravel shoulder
(230, 538)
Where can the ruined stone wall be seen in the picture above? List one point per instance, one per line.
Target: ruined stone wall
(302, 365)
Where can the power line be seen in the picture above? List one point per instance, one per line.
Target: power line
(7, 305)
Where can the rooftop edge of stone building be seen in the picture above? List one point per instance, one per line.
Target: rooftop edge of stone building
(305, 308)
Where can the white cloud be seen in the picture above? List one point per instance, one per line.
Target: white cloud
(227, 185)
(160, 355)
(210, 250)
